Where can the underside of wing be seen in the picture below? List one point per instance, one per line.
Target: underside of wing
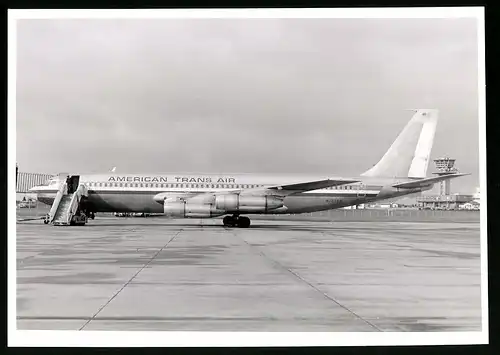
(288, 189)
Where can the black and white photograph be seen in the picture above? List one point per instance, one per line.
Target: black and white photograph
(291, 176)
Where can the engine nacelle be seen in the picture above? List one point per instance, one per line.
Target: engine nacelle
(238, 203)
(183, 209)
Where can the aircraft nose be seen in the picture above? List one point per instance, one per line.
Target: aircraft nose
(34, 189)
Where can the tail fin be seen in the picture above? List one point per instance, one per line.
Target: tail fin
(409, 155)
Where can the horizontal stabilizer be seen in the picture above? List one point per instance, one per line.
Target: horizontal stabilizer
(426, 182)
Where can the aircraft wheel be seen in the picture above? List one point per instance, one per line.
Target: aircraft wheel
(244, 222)
(46, 221)
(228, 221)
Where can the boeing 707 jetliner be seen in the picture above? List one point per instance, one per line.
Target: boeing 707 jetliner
(401, 171)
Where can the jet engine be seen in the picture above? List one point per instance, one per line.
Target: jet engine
(185, 209)
(238, 203)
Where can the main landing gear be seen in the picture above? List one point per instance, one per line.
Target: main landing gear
(236, 221)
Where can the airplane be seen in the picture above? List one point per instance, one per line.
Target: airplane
(401, 171)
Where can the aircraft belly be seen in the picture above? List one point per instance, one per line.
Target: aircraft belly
(125, 202)
(304, 203)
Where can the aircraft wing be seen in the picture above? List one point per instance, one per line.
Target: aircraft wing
(276, 190)
(288, 189)
(426, 182)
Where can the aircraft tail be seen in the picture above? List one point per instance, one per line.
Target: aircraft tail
(409, 155)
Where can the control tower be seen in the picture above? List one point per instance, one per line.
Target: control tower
(445, 166)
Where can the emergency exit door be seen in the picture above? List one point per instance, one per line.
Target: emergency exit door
(361, 190)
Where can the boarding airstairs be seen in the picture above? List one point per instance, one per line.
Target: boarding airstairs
(65, 209)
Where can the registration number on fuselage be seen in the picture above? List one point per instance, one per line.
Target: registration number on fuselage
(333, 200)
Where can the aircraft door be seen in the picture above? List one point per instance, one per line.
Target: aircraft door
(361, 190)
(72, 182)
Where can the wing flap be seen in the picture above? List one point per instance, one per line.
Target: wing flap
(313, 185)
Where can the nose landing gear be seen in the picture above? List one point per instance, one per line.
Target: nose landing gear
(236, 221)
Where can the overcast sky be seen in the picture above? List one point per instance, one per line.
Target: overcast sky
(324, 96)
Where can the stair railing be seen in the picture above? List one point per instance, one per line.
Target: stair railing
(63, 190)
(75, 201)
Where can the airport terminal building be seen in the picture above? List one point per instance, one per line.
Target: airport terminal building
(25, 181)
(443, 202)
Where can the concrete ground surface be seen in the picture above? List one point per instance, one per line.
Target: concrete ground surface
(163, 274)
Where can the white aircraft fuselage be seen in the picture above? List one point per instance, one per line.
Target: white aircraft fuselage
(136, 192)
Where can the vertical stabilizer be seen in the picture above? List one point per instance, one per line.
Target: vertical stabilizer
(409, 155)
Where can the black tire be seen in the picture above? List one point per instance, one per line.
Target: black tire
(228, 221)
(244, 222)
